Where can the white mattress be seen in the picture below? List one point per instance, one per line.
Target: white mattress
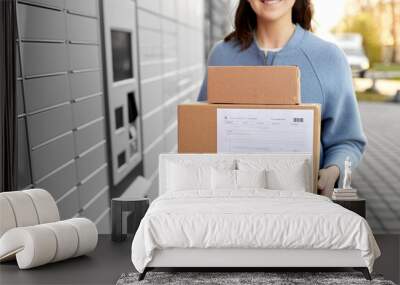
(252, 218)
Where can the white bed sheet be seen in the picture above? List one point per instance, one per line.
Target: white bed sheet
(251, 218)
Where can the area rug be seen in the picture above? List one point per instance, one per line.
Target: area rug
(244, 278)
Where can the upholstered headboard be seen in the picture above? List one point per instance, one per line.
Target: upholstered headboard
(211, 159)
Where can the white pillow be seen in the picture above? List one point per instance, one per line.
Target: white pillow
(251, 178)
(183, 177)
(223, 179)
(292, 179)
(282, 174)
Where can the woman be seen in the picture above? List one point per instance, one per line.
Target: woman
(277, 32)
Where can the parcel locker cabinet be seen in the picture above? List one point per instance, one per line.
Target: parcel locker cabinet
(121, 76)
(61, 137)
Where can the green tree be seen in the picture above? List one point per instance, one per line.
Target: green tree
(364, 23)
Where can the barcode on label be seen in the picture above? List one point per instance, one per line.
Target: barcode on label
(298, 120)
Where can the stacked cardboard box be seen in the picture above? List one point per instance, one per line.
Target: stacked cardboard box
(251, 110)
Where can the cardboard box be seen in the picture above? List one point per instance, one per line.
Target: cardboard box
(269, 85)
(197, 127)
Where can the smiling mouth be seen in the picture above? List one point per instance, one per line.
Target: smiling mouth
(270, 2)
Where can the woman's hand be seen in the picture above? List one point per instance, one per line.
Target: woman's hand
(326, 180)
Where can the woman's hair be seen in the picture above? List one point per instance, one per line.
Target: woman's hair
(246, 21)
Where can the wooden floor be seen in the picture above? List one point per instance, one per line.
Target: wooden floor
(110, 260)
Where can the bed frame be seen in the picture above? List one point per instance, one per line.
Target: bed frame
(240, 259)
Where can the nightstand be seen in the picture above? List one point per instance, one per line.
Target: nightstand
(138, 206)
(355, 205)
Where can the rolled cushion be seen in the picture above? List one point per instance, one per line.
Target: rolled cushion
(37, 245)
(23, 208)
(7, 218)
(46, 207)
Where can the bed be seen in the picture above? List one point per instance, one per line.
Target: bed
(246, 211)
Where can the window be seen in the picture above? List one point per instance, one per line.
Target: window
(121, 55)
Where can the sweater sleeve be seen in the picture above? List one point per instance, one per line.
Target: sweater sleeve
(342, 133)
(212, 60)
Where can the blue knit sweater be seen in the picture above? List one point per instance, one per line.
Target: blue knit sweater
(325, 79)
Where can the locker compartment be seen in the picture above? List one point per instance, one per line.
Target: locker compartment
(148, 20)
(69, 205)
(84, 57)
(91, 161)
(52, 156)
(87, 110)
(151, 96)
(151, 159)
(171, 139)
(170, 114)
(45, 92)
(49, 124)
(86, 7)
(82, 29)
(150, 45)
(24, 175)
(44, 58)
(40, 23)
(168, 9)
(92, 187)
(85, 84)
(104, 225)
(87, 137)
(153, 127)
(151, 70)
(97, 207)
(61, 181)
(170, 88)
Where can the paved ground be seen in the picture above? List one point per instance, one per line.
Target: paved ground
(378, 176)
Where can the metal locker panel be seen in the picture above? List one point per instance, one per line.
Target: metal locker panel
(40, 23)
(97, 207)
(151, 159)
(104, 225)
(20, 99)
(69, 205)
(168, 8)
(61, 181)
(45, 92)
(48, 3)
(170, 114)
(51, 156)
(171, 139)
(170, 88)
(86, 7)
(148, 20)
(84, 57)
(150, 45)
(151, 69)
(151, 96)
(151, 5)
(91, 161)
(49, 124)
(153, 127)
(43, 58)
(24, 174)
(82, 29)
(87, 110)
(91, 187)
(85, 83)
(88, 136)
